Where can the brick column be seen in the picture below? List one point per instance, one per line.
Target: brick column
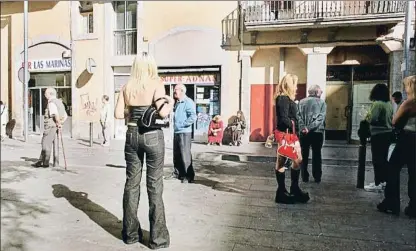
(316, 66)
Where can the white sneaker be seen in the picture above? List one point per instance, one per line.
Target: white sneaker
(373, 188)
(106, 144)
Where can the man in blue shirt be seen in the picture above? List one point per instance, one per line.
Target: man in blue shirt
(184, 118)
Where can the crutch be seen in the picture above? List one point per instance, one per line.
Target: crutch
(63, 149)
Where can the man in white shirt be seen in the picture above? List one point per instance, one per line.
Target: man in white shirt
(4, 119)
(55, 116)
(104, 119)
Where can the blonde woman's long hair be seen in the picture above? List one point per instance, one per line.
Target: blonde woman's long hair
(287, 87)
(143, 73)
(411, 83)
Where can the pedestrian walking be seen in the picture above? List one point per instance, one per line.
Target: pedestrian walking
(286, 114)
(380, 118)
(55, 116)
(311, 115)
(184, 118)
(143, 91)
(4, 119)
(104, 117)
(404, 121)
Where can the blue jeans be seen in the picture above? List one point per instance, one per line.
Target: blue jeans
(138, 143)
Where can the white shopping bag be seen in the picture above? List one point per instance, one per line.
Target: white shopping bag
(391, 149)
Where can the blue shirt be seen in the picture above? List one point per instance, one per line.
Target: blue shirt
(184, 115)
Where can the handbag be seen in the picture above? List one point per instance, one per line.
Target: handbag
(289, 145)
(151, 118)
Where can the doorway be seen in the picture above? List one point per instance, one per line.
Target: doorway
(207, 102)
(348, 89)
(38, 84)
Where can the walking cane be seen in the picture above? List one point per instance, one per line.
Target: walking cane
(63, 149)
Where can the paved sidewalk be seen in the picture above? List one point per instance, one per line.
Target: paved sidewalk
(230, 208)
(332, 154)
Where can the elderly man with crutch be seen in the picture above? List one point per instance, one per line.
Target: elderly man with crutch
(55, 116)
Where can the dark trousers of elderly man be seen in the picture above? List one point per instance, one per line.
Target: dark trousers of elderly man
(182, 157)
(315, 141)
(49, 143)
(311, 116)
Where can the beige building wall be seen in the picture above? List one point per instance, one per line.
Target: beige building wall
(88, 88)
(4, 57)
(189, 37)
(48, 22)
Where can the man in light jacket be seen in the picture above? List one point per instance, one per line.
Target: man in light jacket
(311, 115)
(183, 120)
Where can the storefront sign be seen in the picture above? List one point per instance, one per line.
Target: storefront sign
(60, 64)
(189, 79)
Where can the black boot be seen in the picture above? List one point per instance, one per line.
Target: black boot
(390, 208)
(295, 190)
(282, 196)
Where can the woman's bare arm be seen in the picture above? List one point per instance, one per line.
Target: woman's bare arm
(119, 110)
(402, 115)
(161, 93)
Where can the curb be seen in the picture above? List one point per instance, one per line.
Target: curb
(268, 159)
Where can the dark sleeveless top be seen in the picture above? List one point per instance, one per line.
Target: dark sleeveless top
(135, 113)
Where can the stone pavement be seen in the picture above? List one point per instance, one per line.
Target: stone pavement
(229, 208)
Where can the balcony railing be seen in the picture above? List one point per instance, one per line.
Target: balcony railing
(261, 12)
(125, 42)
(230, 26)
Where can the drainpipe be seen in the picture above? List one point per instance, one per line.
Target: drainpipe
(71, 47)
(26, 71)
(408, 25)
(240, 38)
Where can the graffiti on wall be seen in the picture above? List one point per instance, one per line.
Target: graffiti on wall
(89, 105)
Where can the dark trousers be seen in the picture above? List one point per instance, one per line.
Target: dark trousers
(236, 134)
(314, 140)
(403, 154)
(182, 156)
(379, 150)
(49, 143)
(138, 144)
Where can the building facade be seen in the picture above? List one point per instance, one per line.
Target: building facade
(346, 47)
(87, 50)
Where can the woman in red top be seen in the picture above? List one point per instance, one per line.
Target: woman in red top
(215, 131)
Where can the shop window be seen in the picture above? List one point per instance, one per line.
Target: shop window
(87, 17)
(125, 32)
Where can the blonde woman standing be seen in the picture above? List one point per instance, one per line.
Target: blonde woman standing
(144, 89)
(403, 154)
(286, 114)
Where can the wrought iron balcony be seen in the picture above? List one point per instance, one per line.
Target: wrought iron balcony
(281, 15)
(285, 12)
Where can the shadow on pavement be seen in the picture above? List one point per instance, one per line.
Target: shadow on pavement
(86, 142)
(115, 166)
(95, 212)
(29, 159)
(15, 210)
